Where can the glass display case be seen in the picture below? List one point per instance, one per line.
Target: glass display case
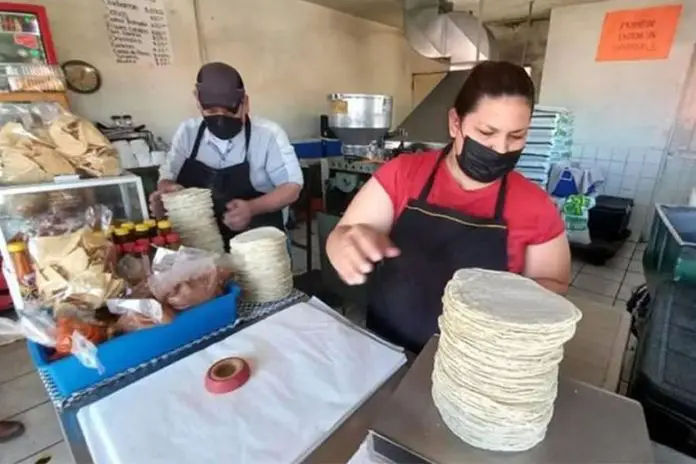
(19, 204)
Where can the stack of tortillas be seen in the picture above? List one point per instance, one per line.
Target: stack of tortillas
(496, 369)
(191, 214)
(262, 264)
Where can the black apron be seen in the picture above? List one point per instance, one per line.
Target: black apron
(406, 291)
(226, 184)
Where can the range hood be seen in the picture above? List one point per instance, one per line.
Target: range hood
(437, 32)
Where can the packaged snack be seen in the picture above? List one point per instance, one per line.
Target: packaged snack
(36, 146)
(75, 266)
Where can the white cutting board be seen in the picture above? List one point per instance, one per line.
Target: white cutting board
(310, 371)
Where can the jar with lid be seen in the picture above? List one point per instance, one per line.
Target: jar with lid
(22, 267)
(120, 236)
(151, 227)
(143, 252)
(164, 227)
(159, 241)
(127, 248)
(142, 231)
(130, 228)
(173, 241)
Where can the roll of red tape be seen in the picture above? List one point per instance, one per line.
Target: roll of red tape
(227, 375)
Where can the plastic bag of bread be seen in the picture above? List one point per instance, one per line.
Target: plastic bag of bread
(137, 314)
(189, 281)
(67, 326)
(84, 146)
(38, 144)
(74, 265)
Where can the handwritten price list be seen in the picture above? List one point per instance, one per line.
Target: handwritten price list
(139, 32)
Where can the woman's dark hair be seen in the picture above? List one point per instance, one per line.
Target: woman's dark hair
(494, 79)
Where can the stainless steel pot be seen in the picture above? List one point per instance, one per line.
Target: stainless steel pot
(359, 119)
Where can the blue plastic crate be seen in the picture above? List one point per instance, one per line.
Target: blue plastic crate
(308, 148)
(132, 349)
(331, 147)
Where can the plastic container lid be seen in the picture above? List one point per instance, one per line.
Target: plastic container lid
(141, 228)
(120, 232)
(159, 241)
(128, 226)
(143, 242)
(173, 238)
(150, 223)
(141, 248)
(16, 247)
(164, 224)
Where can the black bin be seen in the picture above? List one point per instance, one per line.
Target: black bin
(610, 217)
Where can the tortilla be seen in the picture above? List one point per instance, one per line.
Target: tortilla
(50, 250)
(92, 135)
(19, 169)
(65, 134)
(76, 262)
(54, 164)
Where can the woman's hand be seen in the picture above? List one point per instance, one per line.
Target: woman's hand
(353, 250)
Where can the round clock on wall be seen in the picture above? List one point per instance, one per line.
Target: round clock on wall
(81, 76)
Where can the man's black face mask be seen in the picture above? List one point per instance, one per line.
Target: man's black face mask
(223, 126)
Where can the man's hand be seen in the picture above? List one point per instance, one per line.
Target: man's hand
(164, 186)
(238, 215)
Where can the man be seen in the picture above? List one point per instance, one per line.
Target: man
(9, 430)
(247, 162)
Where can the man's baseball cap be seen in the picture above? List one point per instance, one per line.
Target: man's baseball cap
(219, 85)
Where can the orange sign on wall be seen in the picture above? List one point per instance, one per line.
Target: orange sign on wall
(644, 34)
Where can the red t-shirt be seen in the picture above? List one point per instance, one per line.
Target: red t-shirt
(532, 218)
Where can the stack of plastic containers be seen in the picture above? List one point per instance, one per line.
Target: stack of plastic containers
(664, 375)
(549, 141)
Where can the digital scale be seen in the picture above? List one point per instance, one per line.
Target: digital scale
(589, 425)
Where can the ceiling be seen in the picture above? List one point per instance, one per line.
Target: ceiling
(389, 11)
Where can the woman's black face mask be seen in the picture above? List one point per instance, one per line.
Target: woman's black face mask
(223, 126)
(484, 164)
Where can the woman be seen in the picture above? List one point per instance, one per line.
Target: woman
(422, 217)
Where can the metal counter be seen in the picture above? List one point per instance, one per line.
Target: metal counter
(593, 356)
(589, 425)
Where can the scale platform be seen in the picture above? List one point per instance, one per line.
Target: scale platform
(589, 425)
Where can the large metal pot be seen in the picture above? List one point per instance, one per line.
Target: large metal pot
(359, 119)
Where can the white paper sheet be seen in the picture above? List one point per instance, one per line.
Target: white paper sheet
(310, 371)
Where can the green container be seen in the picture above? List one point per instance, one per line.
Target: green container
(671, 251)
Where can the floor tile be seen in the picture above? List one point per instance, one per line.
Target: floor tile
(14, 361)
(618, 263)
(42, 432)
(627, 365)
(605, 272)
(575, 268)
(58, 453)
(665, 455)
(625, 292)
(602, 286)
(634, 279)
(626, 250)
(579, 293)
(636, 266)
(21, 394)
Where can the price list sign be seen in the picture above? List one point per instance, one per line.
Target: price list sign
(139, 32)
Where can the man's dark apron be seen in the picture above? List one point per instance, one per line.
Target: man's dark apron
(226, 184)
(406, 291)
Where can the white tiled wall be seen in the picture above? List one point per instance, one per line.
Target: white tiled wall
(638, 173)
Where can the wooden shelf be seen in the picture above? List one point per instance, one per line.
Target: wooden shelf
(35, 97)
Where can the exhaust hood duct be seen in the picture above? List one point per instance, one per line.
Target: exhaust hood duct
(436, 32)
